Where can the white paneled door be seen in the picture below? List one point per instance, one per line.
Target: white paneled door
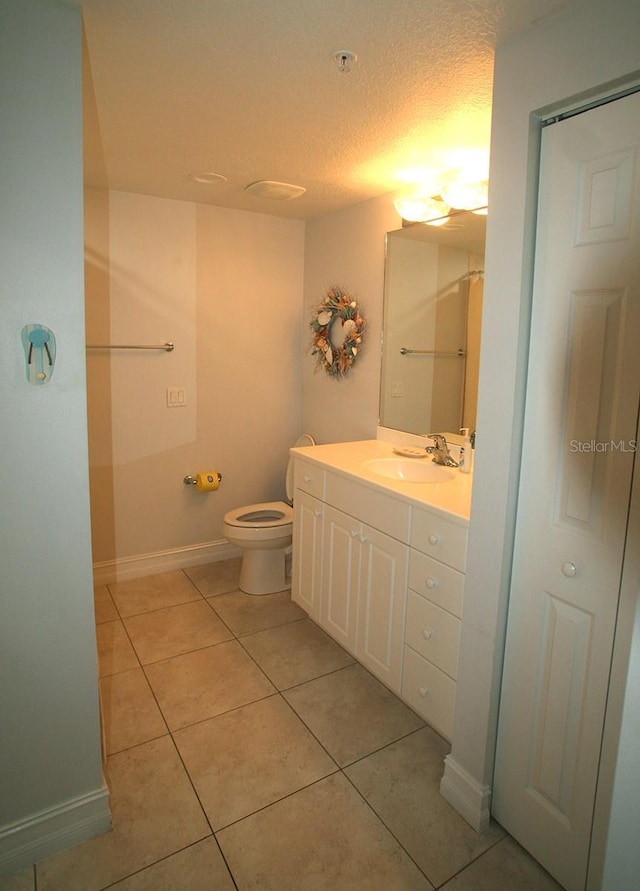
(580, 423)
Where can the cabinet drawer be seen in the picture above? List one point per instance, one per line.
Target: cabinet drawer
(381, 511)
(437, 581)
(429, 691)
(309, 477)
(433, 632)
(438, 537)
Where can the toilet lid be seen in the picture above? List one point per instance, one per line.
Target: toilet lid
(305, 440)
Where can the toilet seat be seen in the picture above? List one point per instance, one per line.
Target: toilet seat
(268, 515)
(263, 533)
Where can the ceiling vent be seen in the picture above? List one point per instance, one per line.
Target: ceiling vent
(207, 178)
(279, 191)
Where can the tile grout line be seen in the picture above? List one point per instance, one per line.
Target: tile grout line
(202, 808)
(381, 819)
(339, 769)
(170, 734)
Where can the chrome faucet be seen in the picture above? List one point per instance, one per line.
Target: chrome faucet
(440, 450)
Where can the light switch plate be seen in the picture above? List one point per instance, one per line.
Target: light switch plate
(176, 397)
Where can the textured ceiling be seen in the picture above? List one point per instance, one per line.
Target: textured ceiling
(250, 89)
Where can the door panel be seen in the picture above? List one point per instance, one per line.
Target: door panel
(594, 346)
(307, 569)
(340, 576)
(580, 416)
(382, 593)
(559, 703)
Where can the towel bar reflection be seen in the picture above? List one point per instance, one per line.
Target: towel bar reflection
(167, 347)
(405, 351)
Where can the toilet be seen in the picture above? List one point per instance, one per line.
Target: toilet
(264, 533)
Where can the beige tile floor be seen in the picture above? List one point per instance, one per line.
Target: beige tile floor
(247, 750)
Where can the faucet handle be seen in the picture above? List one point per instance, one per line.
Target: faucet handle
(439, 439)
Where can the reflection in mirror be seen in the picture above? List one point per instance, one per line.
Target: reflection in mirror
(431, 332)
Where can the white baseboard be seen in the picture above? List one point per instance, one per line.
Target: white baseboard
(469, 798)
(162, 561)
(48, 833)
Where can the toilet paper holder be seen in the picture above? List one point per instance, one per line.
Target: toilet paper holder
(193, 481)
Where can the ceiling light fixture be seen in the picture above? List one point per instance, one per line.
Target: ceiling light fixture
(344, 58)
(265, 188)
(422, 209)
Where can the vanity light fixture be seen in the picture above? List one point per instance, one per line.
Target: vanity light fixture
(465, 194)
(456, 192)
(422, 209)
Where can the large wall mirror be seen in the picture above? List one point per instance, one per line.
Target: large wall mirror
(432, 318)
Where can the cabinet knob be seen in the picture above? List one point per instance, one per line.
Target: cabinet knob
(569, 569)
(363, 539)
(354, 533)
(431, 583)
(424, 692)
(428, 633)
(317, 513)
(308, 479)
(434, 539)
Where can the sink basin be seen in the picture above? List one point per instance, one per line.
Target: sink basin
(411, 470)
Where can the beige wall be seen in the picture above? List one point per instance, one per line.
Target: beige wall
(225, 286)
(99, 408)
(346, 249)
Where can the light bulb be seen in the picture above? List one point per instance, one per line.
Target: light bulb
(421, 208)
(465, 195)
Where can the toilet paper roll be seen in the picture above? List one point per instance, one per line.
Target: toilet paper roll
(208, 481)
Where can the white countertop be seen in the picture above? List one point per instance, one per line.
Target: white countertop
(452, 497)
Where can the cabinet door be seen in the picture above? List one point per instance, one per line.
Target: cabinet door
(381, 605)
(306, 571)
(340, 565)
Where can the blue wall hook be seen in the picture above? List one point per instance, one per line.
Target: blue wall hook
(39, 344)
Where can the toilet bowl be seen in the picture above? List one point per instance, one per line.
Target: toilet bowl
(264, 532)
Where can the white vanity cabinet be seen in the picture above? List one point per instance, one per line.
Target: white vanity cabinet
(364, 574)
(340, 571)
(350, 566)
(434, 611)
(384, 576)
